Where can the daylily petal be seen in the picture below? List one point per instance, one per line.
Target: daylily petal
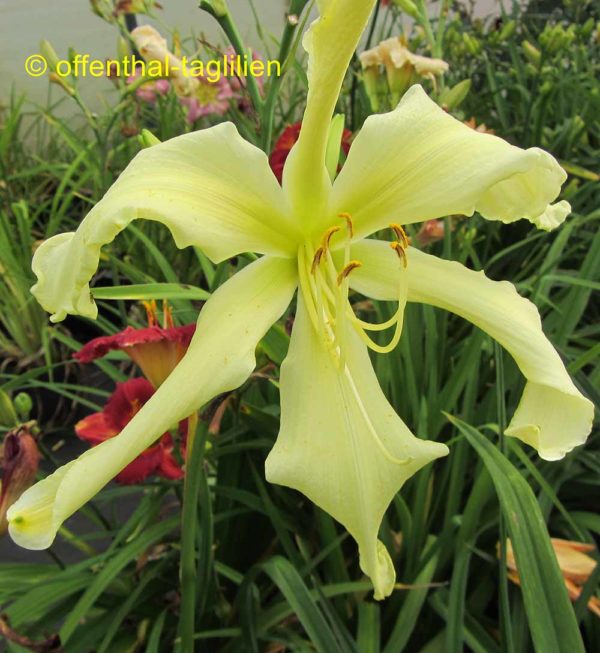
(418, 162)
(552, 416)
(210, 188)
(130, 337)
(342, 444)
(330, 43)
(95, 428)
(219, 359)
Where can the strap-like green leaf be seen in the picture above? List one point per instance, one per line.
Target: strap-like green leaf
(550, 615)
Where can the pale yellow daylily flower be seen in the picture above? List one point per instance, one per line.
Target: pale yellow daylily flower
(341, 443)
(395, 52)
(153, 47)
(402, 67)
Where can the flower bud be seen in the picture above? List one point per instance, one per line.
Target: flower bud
(123, 49)
(472, 44)
(587, 28)
(60, 81)
(49, 54)
(8, 414)
(531, 52)
(408, 7)
(23, 405)
(215, 7)
(148, 139)
(453, 97)
(507, 31)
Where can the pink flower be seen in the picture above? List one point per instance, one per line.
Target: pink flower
(209, 98)
(430, 232)
(148, 92)
(238, 81)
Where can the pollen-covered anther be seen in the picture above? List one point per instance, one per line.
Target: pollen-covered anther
(401, 251)
(316, 259)
(327, 238)
(400, 234)
(347, 270)
(151, 310)
(348, 218)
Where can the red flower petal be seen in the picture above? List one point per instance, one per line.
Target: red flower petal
(131, 337)
(95, 429)
(126, 401)
(118, 411)
(146, 464)
(287, 140)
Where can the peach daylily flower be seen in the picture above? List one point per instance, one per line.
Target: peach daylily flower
(575, 565)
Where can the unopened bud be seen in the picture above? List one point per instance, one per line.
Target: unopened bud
(217, 8)
(123, 49)
(23, 405)
(408, 7)
(531, 52)
(472, 44)
(148, 139)
(8, 414)
(508, 30)
(49, 54)
(454, 96)
(60, 81)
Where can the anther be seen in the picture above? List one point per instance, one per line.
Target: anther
(400, 234)
(327, 237)
(316, 259)
(151, 309)
(399, 249)
(348, 218)
(347, 270)
(167, 315)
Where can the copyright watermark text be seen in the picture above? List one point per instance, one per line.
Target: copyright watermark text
(82, 65)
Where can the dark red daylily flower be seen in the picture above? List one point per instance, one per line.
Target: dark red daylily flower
(155, 349)
(287, 140)
(119, 410)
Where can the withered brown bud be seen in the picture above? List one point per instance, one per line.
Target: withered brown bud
(20, 460)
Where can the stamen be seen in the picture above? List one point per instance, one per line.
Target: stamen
(167, 315)
(348, 218)
(327, 237)
(316, 259)
(377, 326)
(383, 349)
(346, 271)
(307, 289)
(399, 249)
(150, 307)
(400, 234)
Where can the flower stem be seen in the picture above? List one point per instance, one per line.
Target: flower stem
(287, 39)
(188, 569)
(505, 623)
(231, 31)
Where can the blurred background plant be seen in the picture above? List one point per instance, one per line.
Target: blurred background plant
(273, 572)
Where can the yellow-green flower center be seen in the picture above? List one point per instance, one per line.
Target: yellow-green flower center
(324, 287)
